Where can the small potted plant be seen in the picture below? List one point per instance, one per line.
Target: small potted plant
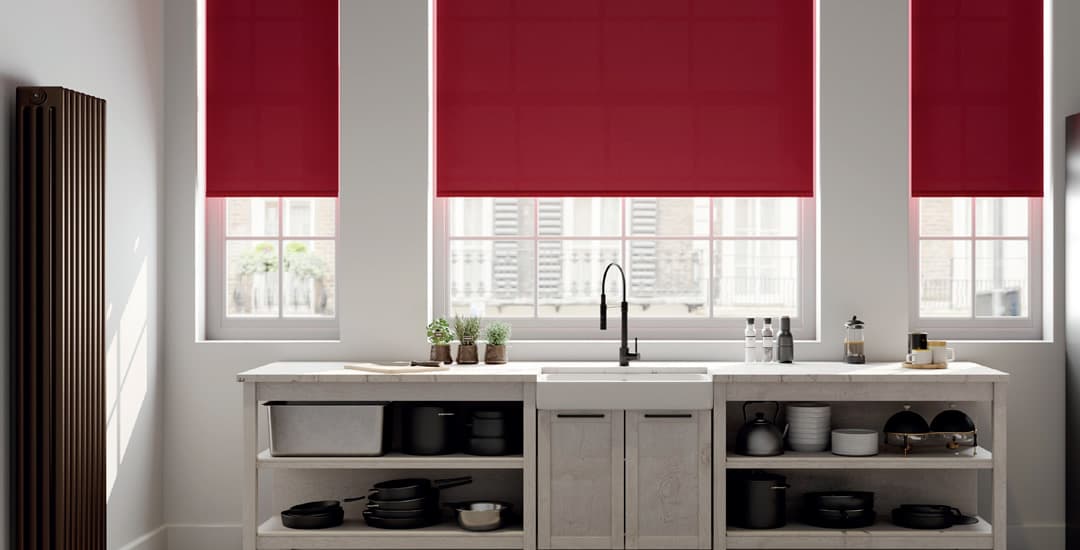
(467, 330)
(440, 336)
(497, 334)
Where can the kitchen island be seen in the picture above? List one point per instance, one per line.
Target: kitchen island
(642, 469)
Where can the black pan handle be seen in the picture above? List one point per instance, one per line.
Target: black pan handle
(451, 482)
(353, 499)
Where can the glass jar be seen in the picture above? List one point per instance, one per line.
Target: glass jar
(854, 345)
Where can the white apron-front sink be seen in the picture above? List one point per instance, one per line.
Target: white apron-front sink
(630, 388)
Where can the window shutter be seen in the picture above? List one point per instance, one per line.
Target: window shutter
(548, 98)
(272, 108)
(976, 98)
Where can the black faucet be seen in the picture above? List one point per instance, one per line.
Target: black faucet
(624, 349)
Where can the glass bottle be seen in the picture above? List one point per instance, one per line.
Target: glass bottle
(767, 341)
(750, 344)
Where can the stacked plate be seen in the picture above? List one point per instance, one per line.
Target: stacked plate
(854, 442)
(809, 426)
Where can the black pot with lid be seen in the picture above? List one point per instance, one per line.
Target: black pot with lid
(757, 500)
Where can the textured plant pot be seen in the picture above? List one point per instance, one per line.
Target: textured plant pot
(495, 354)
(441, 353)
(467, 354)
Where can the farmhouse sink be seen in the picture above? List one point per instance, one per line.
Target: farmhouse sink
(631, 388)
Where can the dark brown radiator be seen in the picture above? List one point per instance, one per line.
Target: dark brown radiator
(58, 316)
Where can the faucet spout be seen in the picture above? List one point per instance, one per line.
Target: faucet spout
(625, 356)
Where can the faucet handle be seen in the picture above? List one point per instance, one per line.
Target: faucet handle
(635, 355)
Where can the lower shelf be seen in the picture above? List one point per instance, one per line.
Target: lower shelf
(882, 535)
(355, 533)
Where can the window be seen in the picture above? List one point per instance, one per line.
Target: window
(695, 267)
(271, 268)
(978, 269)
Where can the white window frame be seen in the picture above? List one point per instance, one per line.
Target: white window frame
(803, 326)
(220, 326)
(980, 328)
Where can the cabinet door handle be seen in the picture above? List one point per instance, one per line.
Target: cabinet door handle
(580, 415)
(678, 415)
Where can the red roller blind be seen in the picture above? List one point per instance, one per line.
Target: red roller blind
(272, 98)
(624, 98)
(976, 98)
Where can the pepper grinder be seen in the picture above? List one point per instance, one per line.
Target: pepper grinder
(785, 342)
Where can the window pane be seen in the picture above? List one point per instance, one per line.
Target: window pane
(579, 217)
(252, 280)
(757, 217)
(945, 278)
(667, 217)
(492, 278)
(945, 217)
(486, 217)
(668, 278)
(315, 217)
(756, 278)
(308, 278)
(1001, 279)
(254, 217)
(570, 273)
(1001, 217)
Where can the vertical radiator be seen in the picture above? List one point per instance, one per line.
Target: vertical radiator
(58, 321)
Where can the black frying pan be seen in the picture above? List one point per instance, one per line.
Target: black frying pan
(400, 523)
(425, 502)
(306, 520)
(409, 488)
(320, 506)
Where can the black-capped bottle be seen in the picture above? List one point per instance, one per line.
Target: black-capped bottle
(785, 343)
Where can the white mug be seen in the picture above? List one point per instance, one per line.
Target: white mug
(942, 354)
(920, 357)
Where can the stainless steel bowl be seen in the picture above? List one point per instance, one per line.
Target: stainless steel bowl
(481, 515)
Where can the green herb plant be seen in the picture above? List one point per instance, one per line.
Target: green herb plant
(497, 333)
(467, 329)
(439, 333)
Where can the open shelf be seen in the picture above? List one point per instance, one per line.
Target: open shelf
(354, 533)
(976, 458)
(393, 461)
(882, 535)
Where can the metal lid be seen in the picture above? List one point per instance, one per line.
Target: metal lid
(854, 322)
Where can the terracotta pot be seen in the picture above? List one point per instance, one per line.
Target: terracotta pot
(467, 354)
(441, 353)
(495, 354)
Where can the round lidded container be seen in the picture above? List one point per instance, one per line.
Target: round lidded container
(854, 345)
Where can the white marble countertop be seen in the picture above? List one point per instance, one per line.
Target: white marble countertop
(725, 372)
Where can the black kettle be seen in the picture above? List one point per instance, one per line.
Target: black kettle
(760, 436)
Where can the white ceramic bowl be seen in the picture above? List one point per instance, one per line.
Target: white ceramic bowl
(854, 442)
(808, 447)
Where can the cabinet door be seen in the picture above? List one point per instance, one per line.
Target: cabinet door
(580, 479)
(668, 479)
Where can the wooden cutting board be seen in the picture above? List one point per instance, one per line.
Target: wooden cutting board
(929, 366)
(399, 367)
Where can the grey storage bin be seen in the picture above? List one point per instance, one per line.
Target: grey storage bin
(326, 428)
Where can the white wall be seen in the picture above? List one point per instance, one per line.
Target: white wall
(112, 50)
(384, 258)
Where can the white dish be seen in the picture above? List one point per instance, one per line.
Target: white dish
(808, 448)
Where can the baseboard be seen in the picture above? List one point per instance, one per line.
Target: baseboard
(1033, 537)
(154, 540)
(204, 537)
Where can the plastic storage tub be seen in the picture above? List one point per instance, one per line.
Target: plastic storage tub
(318, 428)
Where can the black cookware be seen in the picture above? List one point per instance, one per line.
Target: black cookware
(426, 501)
(487, 424)
(760, 436)
(839, 509)
(757, 500)
(906, 421)
(321, 506)
(410, 488)
(429, 430)
(929, 516)
(952, 420)
(400, 514)
(486, 446)
(400, 523)
(309, 520)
